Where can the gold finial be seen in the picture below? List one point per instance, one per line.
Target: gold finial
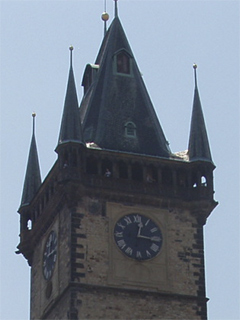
(34, 114)
(71, 48)
(194, 66)
(105, 16)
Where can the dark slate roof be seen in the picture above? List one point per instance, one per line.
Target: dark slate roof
(32, 180)
(198, 147)
(71, 129)
(112, 100)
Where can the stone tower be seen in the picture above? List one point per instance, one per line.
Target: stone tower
(115, 230)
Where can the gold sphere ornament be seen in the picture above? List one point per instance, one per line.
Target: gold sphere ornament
(194, 66)
(105, 16)
(34, 114)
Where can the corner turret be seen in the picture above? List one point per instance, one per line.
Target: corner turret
(70, 136)
(70, 130)
(32, 181)
(198, 146)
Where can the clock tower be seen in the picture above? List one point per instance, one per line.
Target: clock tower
(115, 230)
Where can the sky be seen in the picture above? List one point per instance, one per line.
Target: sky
(167, 38)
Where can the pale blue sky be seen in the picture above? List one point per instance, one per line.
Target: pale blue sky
(167, 37)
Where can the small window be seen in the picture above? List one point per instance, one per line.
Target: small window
(123, 63)
(130, 129)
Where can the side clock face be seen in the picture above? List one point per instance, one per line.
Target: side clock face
(138, 237)
(50, 255)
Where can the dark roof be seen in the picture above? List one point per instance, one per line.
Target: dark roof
(198, 147)
(71, 125)
(32, 180)
(114, 99)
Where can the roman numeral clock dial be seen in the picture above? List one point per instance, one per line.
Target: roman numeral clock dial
(138, 237)
(50, 255)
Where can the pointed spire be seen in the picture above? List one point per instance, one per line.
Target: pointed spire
(32, 180)
(117, 98)
(116, 8)
(70, 126)
(198, 147)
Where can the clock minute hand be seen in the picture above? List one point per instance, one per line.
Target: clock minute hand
(139, 230)
(143, 237)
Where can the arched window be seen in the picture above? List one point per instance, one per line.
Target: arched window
(123, 63)
(130, 129)
(203, 181)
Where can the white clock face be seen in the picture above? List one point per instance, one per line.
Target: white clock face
(138, 237)
(50, 255)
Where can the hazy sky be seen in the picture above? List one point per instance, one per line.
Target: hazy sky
(167, 37)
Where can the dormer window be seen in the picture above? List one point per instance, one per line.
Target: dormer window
(122, 63)
(130, 129)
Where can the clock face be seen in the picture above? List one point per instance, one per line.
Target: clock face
(50, 255)
(138, 237)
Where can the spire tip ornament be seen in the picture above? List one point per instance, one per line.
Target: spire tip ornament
(71, 50)
(195, 73)
(116, 8)
(105, 16)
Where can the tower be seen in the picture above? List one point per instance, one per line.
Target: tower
(116, 227)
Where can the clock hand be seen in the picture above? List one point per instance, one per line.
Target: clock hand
(139, 230)
(150, 238)
(143, 237)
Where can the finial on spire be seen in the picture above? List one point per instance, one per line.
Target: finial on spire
(195, 73)
(71, 50)
(105, 17)
(116, 8)
(34, 115)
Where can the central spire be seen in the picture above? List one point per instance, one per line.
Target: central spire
(116, 110)
(116, 8)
